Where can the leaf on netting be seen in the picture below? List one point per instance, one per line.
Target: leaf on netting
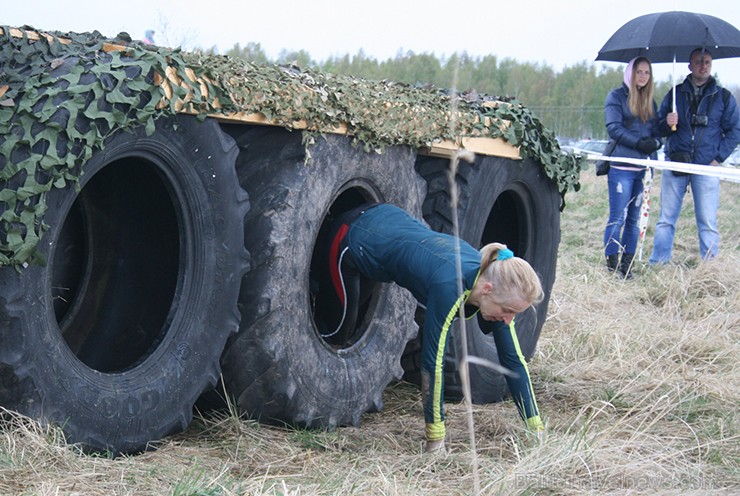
(103, 91)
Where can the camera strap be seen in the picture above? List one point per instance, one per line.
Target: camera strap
(694, 142)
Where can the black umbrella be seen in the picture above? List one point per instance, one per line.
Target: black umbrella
(670, 37)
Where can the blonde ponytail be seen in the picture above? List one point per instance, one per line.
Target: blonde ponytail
(513, 278)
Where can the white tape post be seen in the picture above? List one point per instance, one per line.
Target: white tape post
(723, 172)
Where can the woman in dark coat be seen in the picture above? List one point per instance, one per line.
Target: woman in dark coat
(631, 121)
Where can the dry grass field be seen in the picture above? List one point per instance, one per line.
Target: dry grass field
(638, 382)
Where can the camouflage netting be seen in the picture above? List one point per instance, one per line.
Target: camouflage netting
(62, 94)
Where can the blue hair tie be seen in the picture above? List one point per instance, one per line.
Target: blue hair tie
(504, 254)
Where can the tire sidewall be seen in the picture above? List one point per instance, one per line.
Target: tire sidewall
(539, 203)
(311, 383)
(536, 240)
(124, 411)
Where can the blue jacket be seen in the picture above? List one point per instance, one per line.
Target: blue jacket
(626, 129)
(717, 140)
(387, 244)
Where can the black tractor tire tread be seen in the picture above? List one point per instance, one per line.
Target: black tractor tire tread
(474, 182)
(277, 369)
(111, 411)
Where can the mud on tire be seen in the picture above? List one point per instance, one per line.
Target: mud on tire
(280, 368)
(512, 202)
(118, 334)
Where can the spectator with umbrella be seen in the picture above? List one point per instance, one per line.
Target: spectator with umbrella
(707, 129)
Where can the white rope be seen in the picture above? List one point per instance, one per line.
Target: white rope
(344, 292)
(723, 172)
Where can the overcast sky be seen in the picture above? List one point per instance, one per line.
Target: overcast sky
(555, 33)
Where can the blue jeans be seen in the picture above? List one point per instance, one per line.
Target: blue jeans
(625, 200)
(705, 191)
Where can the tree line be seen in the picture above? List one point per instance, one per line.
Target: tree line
(570, 102)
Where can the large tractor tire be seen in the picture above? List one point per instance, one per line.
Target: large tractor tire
(117, 335)
(503, 200)
(286, 365)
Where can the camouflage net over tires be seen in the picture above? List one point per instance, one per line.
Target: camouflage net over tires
(63, 94)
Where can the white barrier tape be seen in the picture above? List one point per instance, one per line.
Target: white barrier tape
(722, 172)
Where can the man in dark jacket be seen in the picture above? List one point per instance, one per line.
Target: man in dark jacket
(707, 131)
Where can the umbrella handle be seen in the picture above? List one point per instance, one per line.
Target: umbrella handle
(673, 88)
